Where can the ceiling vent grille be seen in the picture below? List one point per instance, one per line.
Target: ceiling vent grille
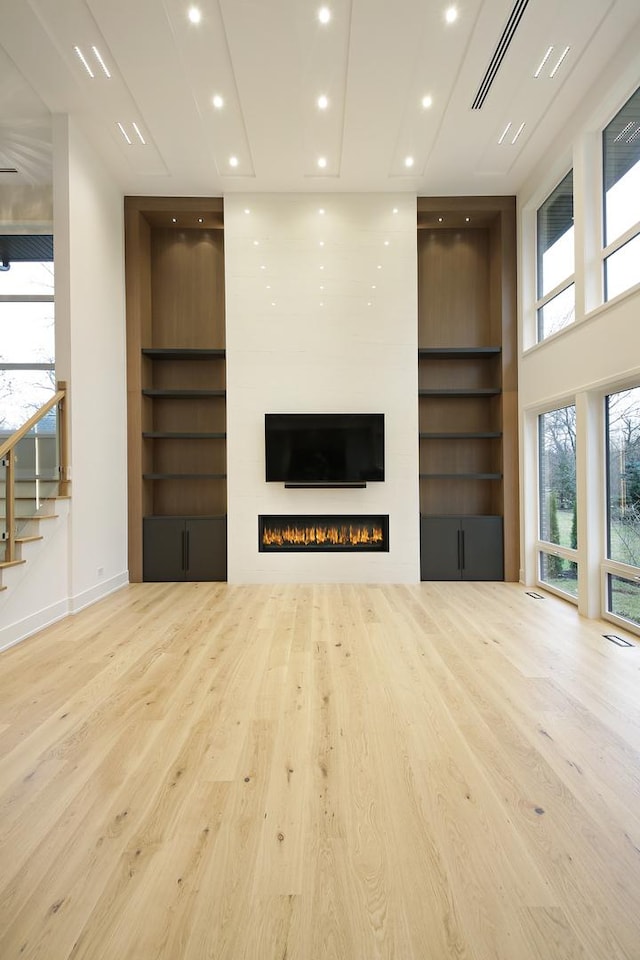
(499, 53)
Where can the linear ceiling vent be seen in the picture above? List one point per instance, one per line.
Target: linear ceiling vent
(499, 53)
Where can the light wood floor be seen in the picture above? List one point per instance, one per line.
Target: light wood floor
(437, 772)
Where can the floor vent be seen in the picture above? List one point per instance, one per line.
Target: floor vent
(499, 53)
(536, 596)
(619, 641)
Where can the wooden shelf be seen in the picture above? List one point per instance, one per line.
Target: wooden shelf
(458, 353)
(486, 435)
(161, 435)
(170, 394)
(184, 476)
(460, 476)
(461, 392)
(183, 353)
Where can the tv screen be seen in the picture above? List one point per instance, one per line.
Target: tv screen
(324, 447)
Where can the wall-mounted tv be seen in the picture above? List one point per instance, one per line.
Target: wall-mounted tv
(324, 448)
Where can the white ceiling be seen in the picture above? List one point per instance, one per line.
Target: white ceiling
(270, 60)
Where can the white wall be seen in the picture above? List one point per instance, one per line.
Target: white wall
(84, 555)
(89, 249)
(350, 348)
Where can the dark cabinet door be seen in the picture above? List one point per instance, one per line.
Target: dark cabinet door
(179, 548)
(481, 548)
(206, 553)
(164, 542)
(461, 548)
(439, 548)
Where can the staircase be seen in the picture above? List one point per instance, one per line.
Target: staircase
(33, 479)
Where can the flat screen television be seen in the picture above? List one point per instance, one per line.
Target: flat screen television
(324, 448)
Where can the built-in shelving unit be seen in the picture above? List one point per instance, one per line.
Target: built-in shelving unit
(467, 388)
(177, 388)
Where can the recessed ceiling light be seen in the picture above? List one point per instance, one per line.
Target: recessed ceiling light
(562, 56)
(323, 102)
(322, 243)
(194, 15)
(408, 161)
(467, 219)
(84, 63)
(440, 219)
(256, 243)
(218, 101)
(386, 243)
(174, 220)
(138, 133)
(322, 267)
(373, 286)
(263, 266)
(246, 210)
(321, 211)
(98, 57)
(324, 14)
(379, 266)
(543, 61)
(268, 286)
(200, 220)
(451, 14)
(395, 210)
(520, 129)
(427, 101)
(369, 303)
(505, 132)
(233, 161)
(322, 162)
(124, 133)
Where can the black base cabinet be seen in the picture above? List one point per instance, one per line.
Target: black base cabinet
(184, 548)
(461, 548)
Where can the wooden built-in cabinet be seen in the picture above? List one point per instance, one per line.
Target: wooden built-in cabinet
(467, 377)
(176, 388)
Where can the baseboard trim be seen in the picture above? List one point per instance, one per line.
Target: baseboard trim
(98, 592)
(22, 629)
(35, 622)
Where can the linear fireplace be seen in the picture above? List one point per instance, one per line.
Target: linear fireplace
(310, 534)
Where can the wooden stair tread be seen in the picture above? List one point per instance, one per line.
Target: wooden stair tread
(10, 563)
(28, 539)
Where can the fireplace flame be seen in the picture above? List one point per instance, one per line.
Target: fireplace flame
(348, 535)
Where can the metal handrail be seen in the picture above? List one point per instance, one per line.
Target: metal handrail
(7, 455)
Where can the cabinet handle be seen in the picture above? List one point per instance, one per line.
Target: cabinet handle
(459, 551)
(462, 549)
(186, 552)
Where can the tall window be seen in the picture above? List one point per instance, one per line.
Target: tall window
(27, 342)
(557, 500)
(621, 168)
(623, 504)
(556, 260)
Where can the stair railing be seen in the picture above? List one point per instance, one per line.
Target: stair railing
(8, 459)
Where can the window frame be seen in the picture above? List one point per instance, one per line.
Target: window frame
(608, 249)
(546, 547)
(542, 300)
(608, 566)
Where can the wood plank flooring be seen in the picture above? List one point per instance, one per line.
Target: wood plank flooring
(335, 772)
